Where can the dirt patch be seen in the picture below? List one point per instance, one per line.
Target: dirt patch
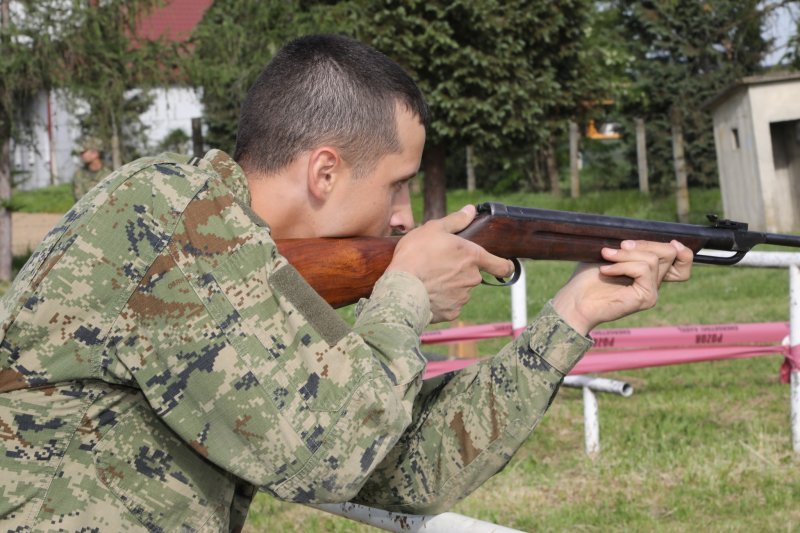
(28, 229)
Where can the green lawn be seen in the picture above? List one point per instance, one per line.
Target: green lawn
(704, 446)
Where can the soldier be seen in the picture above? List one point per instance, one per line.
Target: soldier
(92, 168)
(161, 360)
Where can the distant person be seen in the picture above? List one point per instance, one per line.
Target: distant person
(93, 168)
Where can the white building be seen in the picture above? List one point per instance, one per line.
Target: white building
(51, 156)
(757, 137)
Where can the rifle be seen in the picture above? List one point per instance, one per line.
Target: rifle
(342, 270)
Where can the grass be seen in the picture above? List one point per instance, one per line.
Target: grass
(703, 446)
(697, 446)
(55, 199)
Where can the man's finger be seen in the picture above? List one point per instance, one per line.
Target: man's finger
(682, 267)
(455, 222)
(494, 265)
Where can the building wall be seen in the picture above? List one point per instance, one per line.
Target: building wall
(46, 157)
(774, 103)
(785, 138)
(51, 155)
(738, 161)
(174, 108)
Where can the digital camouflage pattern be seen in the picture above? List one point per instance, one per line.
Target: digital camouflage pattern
(84, 179)
(159, 360)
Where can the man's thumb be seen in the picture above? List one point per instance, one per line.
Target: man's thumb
(455, 222)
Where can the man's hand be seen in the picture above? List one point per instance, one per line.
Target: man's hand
(602, 293)
(448, 266)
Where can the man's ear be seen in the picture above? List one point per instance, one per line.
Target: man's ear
(324, 166)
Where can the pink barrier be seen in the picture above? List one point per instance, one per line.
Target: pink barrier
(682, 336)
(467, 333)
(646, 347)
(635, 338)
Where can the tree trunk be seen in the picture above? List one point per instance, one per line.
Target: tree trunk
(682, 191)
(552, 168)
(5, 196)
(5, 174)
(574, 169)
(434, 187)
(470, 169)
(116, 150)
(537, 172)
(197, 137)
(641, 157)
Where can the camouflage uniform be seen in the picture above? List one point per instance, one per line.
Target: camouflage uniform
(84, 179)
(159, 360)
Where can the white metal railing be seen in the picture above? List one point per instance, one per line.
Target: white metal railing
(790, 260)
(403, 523)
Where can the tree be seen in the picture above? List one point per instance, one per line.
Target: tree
(234, 42)
(28, 50)
(490, 70)
(685, 52)
(108, 68)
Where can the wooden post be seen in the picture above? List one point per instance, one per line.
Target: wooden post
(574, 171)
(682, 191)
(537, 170)
(470, 169)
(434, 185)
(197, 137)
(116, 145)
(5, 175)
(5, 196)
(552, 168)
(641, 156)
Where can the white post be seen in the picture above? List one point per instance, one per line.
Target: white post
(794, 347)
(404, 523)
(612, 386)
(792, 261)
(591, 422)
(519, 302)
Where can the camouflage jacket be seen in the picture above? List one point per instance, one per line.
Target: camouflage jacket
(159, 360)
(84, 179)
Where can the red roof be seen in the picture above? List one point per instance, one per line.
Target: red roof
(174, 21)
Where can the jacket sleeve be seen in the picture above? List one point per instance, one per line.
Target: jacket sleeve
(247, 364)
(468, 424)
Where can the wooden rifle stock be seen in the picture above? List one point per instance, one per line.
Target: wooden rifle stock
(344, 270)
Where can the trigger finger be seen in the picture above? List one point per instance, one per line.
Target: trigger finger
(495, 265)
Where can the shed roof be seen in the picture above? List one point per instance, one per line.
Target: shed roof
(173, 21)
(748, 81)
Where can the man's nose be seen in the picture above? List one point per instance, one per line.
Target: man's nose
(402, 220)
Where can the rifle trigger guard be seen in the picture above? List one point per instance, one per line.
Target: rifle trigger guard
(507, 282)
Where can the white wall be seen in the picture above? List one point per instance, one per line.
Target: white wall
(173, 108)
(738, 167)
(39, 162)
(774, 102)
(752, 191)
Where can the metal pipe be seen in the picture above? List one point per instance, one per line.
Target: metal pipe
(401, 523)
(794, 353)
(519, 303)
(611, 386)
(591, 422)
(770, 259)
(790, 260)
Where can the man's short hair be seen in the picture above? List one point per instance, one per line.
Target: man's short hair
(325, 90)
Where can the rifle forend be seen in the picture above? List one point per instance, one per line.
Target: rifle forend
(344, 270)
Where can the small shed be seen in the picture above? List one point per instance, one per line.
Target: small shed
(757, 137)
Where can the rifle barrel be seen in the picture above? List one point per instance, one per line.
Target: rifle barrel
(782, 240)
